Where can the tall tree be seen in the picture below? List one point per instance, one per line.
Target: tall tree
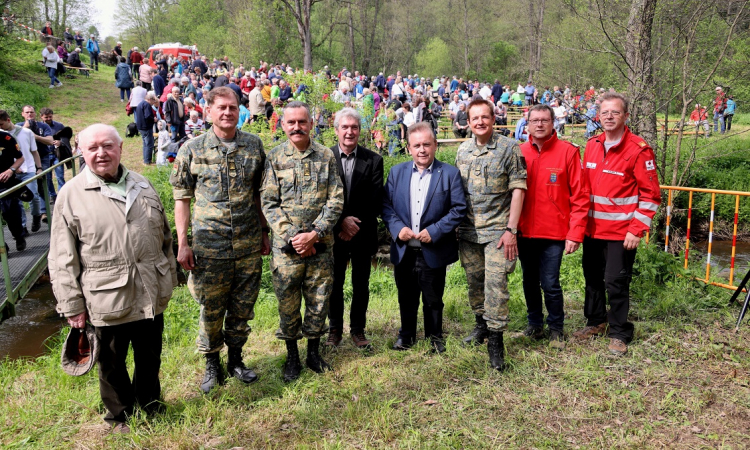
(638, 58)
(301, 10)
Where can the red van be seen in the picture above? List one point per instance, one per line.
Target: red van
(174, 48)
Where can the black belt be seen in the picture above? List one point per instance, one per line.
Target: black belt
(414, 249)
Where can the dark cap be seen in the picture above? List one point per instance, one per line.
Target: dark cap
(80, 351)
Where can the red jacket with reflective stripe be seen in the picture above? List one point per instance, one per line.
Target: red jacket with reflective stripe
(557, 198)
(624, 187)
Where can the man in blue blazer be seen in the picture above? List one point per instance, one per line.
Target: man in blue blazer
(423, 204)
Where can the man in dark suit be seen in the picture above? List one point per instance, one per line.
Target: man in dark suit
(356, 234)
(423, 204)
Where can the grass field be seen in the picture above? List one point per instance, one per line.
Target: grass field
(684, 384)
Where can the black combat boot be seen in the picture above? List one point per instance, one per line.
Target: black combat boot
(479, 333)
(292, 366)
(314, 361)
(236, 367)
(36, 224)
(214, 375)
(496, 350)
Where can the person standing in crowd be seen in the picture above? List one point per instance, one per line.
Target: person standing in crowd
(620, 169)
(45, 146)
(552, 223)
(221, 169)
(720, 104)
(493, 171)
(123, 80)
(302, 197)
(423, 204)
(356, 233)
(699, 117)
(729, 112)
(11, 160)
(145, 117)
(78, 37)
(136, 59)
(157, 82)
(51, 58)
(104, 269)
(32, 164)
(118, 49)
(47, 116)
(93, 48)
(256, 103)
(145, 75)
(47, 30)
(174, 114)
(68, 36)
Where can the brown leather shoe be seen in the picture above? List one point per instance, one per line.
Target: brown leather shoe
(618, 347)
(591, 331)
(334, 338)
(360, 340)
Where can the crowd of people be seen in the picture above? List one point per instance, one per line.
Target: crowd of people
(315, 210)
(29, 147)
(60, 54)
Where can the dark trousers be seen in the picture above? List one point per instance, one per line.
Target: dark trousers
(94, 60)
(361, 265)
(607, 266)
(118, 393)
(728, 121)
(146, 86)
(415, 277)
(12, 210)
(540, 261)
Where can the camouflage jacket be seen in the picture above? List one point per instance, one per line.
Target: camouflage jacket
(489, 175)
(223, 182)
(301, 191)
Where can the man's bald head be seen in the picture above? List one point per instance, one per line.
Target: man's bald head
(101, 146)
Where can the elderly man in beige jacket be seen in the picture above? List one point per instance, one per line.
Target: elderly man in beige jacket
(111, 263)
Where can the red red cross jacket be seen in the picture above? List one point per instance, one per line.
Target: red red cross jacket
(624, 187)
(557, 198)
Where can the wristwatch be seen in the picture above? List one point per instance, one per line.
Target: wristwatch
(513, 231)
(13, 169)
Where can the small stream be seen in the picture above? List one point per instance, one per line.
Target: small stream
(36, 320)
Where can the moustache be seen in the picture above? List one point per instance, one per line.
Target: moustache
(297, 132)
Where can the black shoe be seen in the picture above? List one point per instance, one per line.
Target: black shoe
(25, 232)
(438, 345)
(236, 367)
(479, 333)
(36, 225)
(402, 344)
(21, 244)
(314, 361)
(496, 350)
(214, 375)
(556, 339)
(44, 216)
(292, 366)
(534, 332)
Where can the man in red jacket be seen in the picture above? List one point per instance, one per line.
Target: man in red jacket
(136, 59)
(620, 169)
(553, 221)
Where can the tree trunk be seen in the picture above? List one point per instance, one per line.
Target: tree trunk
(640, 69)
(466, 38)
(351, 38)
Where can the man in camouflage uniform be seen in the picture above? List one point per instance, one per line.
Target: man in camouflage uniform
(302, 197)
(222, 170)
(494, 177)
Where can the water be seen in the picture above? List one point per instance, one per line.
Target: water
(25, 334)
(721, 257)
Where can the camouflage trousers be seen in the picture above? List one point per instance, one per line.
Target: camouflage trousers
(294, 277)
(487, 275)
(226, 290)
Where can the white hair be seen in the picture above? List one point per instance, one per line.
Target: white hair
(346, 112)
(98, 128)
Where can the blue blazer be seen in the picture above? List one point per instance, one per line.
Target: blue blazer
(445, 208)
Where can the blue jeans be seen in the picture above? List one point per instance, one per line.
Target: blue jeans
(52, 72)
(36, 202)
(540, 261)
(719, 119)
(59, 174)
(148, 145)
(124, 93)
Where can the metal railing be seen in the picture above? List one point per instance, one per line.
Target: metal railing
(713, 192)
(15, 293)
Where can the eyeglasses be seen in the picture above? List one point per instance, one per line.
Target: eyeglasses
(610, 113)
(540, 121)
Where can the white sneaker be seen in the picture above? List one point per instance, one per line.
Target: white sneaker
(51, 86)
(59, 83)
(122, 101)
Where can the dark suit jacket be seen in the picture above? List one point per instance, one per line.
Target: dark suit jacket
(364, 199)
(445, 208)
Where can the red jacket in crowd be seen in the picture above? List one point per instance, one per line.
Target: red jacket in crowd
(247, 84)
(136, 58)
(624, 187)
(557, 199)
(697, 116)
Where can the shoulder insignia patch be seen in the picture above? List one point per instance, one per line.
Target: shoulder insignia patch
(7, 138)
(642, 144)
(650, 165)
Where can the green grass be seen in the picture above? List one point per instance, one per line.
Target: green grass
(683, 384)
